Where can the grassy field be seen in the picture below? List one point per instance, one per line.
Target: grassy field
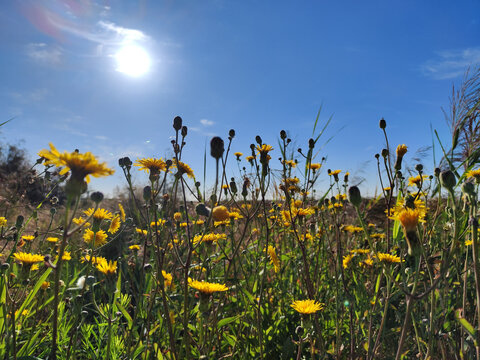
(263, 266)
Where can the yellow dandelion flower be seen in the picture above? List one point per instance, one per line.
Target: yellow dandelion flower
(264, 148)
(206, 287)
(28, 237)
(474, 174)
(417, 180)
(3, 221)
(27, 258)
(335, 172)
(177, 216)
(209, 238)
(220, 213)
(134, 247)
(238, 155)
(314, 166)
(94, 260)
(108, 268)
(99, 214)
(81, 165)
(360, 251)
(346, 260)
(290, 163)
(123, 217)
(100, 237)
(168, 279)
(154, 166)
(274, 258)
(66, 256)
(307, 306)
(250, 158)
(141, 232)
(401, 150)
(388, 258)
(45, 285)
(114, 225)
(183, 168)
(81, 221)
(408, 218)
(377, 236)
(52, 239)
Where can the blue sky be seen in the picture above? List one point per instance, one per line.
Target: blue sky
(255, 66)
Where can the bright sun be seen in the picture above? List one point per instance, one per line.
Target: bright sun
(132, 60)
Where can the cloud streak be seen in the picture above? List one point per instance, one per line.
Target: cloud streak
(42, 53)
(450, 64)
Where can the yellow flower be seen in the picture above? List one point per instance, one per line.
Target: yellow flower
(346, 260)
(122, 213)
(168, 278)
(99, 214)
(80, 221)
(388, 258)
(377, 236)
(45, 285)
(307, 306)
(474, 174)
(28, 237)
(100, 237)
(208, 238)
(401, 150)
(108, 268)
(264, 148)
(177, 216)
(94, 260)
(183, 168)
(352, 229)
(250, 158)
(142, 232)
(66, 256)
(408, 218)
(238, 155)
(290, 163)
(134, 247)
(314, 166)
(114, 225)
(27, 258)
(206, 287)
(360, 251)
(273, 258)
(81, 165)
(3, 221)
(52, 239)
(220, 213)
(417, 180)
(151, 164)
(335, 172)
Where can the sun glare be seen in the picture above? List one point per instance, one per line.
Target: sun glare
(132, 60)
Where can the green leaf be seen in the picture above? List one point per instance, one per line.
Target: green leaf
(228, 320)
(465, 324)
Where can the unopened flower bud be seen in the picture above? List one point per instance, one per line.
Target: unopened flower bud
(202, 210)
(147, 193)
(354, 196)
(177, 123)
(419, 168)
(231, 134)
(437, 172)
(468, 188)
(96, 197)
(184, 131)
(283, 135)
(385, 153)
(383, 123)
(447, 179)
(217, 147)
(258, 139)
(311, 143)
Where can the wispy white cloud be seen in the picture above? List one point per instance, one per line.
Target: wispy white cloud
(206, 122)
(28, 97)
(43, 53)
(201, 131)
(450, 64)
